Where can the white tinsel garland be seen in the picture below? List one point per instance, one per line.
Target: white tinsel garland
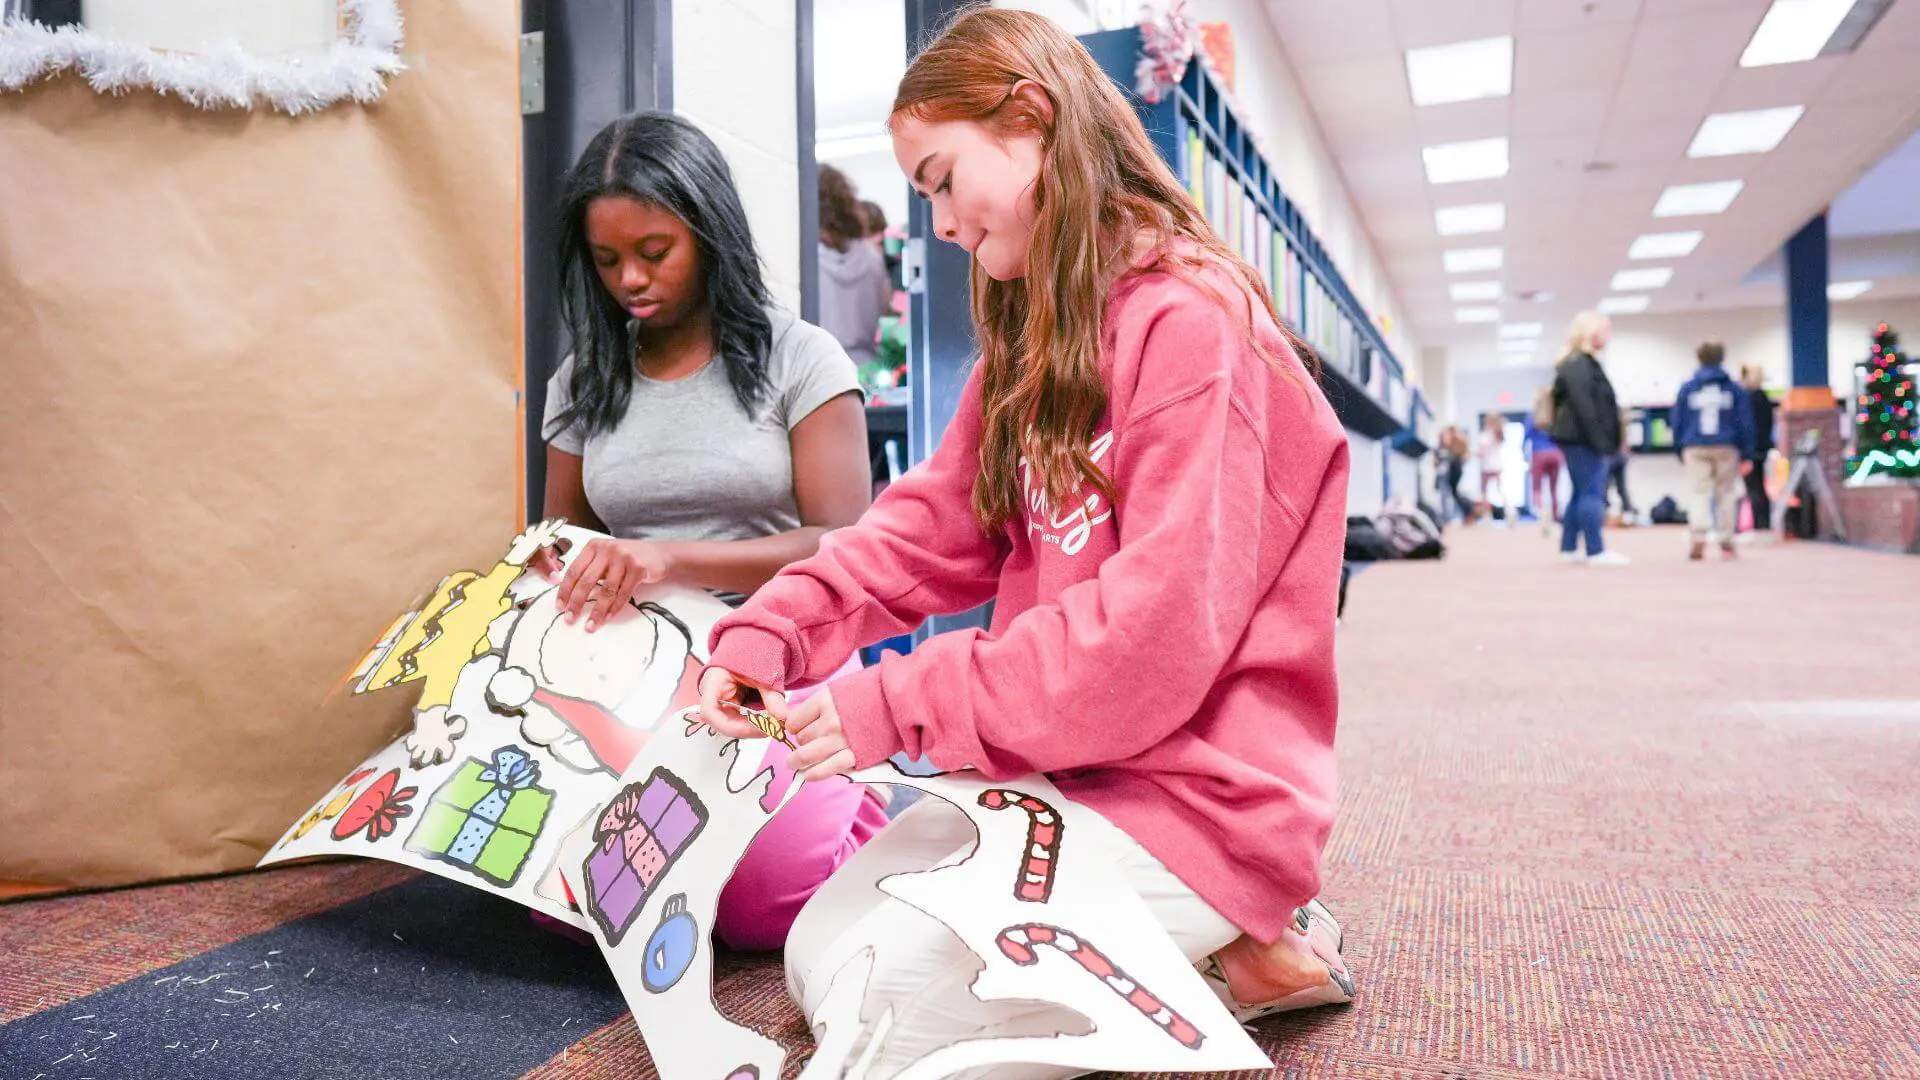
(1168, 38)
(356, 66)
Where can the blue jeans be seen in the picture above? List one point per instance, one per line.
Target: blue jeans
(1588, 507)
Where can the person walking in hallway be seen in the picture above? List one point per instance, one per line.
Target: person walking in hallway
(1451, 462)
(1760, 407)
(1586, 426)
(1713, 428)
(1617, 476)
(1544, 461)
(1492, 451)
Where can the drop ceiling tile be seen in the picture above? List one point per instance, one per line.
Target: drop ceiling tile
(1675, 99)
(1703, 40)
(1644, 144)
(1356, 84)
(1780, 84)
(1366, 133)
(1420, 23)
(1566, 110)
(1463, 121)
(1548, 60)
(1384, 176)
(1576, 14)
(1549, 160)
(1337, 31)
(1875, 78)
(1659, 8)
(1623, 81)
(1640, 184)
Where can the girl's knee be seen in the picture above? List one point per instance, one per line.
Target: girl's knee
(787, 862)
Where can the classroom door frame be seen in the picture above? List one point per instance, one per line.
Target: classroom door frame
(602, 60)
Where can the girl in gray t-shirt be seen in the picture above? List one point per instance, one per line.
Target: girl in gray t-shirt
(717, 438)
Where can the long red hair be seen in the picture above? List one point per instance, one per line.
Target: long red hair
(1102, 186)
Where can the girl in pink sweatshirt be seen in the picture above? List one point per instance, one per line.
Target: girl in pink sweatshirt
(1145, 479)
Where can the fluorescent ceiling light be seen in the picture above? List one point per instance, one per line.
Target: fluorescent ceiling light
(1470, 219)
(1650, 278)
(1474, 290)
(1665, 245)
(1472, 260)
(1712, 197)
(1464, 71)
(1476, 314)
(1754, 131)
(1794, 30)
(1525, 346)
(1520, 330)
(1623, 305)
(1480, 159)
(851, 140)
(1847, 290)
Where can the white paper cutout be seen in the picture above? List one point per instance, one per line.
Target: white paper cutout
(423, 800)
(589, 699)
(649, 877)
(470, 796)
(1091, 946)
(836, 1023)
(356, 66)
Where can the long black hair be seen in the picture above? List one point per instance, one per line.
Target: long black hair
(664, 161)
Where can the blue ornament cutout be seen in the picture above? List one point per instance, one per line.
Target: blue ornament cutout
(670, 950)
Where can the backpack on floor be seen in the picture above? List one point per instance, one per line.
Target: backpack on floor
(1667, 512)
(1365, 542)
(1412, 534)
(1433, 515)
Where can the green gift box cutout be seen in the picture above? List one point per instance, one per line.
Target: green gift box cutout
(486, 817)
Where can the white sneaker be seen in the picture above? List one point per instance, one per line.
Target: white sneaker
(1573, 558)
(1324, 937)
(1608, 558)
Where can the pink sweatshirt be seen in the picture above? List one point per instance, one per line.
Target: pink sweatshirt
(1167, 661)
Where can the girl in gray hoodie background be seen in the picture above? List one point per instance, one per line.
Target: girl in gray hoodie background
(855, 288)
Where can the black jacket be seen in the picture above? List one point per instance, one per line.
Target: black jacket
(1762, 423)
(1585, 412)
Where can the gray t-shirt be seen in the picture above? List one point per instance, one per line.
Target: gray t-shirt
(687, 463)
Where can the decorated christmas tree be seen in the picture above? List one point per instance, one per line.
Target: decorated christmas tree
(1886, 414)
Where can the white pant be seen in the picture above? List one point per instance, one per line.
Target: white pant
(1715, 473)
(924, 971)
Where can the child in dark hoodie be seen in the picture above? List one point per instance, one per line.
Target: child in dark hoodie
(1713, 428)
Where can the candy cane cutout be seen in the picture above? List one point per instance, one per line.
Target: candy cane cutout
(1020, 944)
(1035, 883)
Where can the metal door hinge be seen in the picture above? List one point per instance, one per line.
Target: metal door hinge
(533, 73)
(913, 265)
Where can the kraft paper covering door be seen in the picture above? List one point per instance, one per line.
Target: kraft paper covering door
(261, 378)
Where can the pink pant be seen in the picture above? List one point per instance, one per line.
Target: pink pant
(801, 847)
(1546, 466)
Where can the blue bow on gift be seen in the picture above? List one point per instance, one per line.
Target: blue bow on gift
(511, 768)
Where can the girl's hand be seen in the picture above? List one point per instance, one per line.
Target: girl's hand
(606, 575)
(721, 692)
(814, 725)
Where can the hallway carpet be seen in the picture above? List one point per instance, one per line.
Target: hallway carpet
(1654, 821)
